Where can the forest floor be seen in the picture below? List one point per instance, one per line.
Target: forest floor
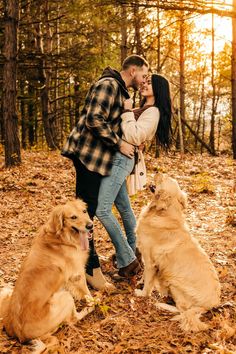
(123, 323)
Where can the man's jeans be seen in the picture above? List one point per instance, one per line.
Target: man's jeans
(113, 190)
(87, 188)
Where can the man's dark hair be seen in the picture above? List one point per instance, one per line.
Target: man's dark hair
(134, 59)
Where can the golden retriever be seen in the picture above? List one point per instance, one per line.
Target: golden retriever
(54, 269)
(174, 261)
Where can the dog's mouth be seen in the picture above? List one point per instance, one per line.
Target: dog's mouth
(75, 229)
(152, 188)
(89, 233)
(85, 236)
(81, 230)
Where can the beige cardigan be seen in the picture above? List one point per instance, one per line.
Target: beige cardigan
(137, 132)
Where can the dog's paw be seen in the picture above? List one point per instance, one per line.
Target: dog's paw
(110, 288)
(89, 300)
(83, 313)
(166, 307)
(139, 292)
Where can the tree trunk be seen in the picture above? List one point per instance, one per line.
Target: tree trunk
(1, 124)
(212, 131)
(12, 142)
(233, 80)
(157, 152)
(23, 115)
(32, 117)
(158, 39)
(124, 39)
(201, 111)
(203, 124)
(71, 110)
(137, 26)
(77, 100)
(182, 70)
(44, 92)
(181, 139)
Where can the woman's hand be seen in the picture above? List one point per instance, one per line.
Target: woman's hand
(128, 104)
(141, 147)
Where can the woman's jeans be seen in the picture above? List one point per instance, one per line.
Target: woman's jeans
(113, 190)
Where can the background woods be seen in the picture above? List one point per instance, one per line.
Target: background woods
(51, 51)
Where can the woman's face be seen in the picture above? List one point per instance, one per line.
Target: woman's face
(146, 88)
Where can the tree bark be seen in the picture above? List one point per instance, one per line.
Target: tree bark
(181, 140)
(77, 100)
(137, 27)
(44, 92)
(212, 131)
(12, 142)
(24, 123)
(32, 116)
(124, 39)
(233, 81)
(158, 39)
(182, 72)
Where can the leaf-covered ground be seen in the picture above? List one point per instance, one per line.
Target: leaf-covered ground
(121, 322)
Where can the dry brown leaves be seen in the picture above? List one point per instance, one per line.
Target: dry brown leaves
(123, 323)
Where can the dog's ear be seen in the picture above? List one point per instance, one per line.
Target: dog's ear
(162, 200)
(56, 220)
(182, 199)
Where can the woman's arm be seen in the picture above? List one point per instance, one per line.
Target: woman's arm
(136, 132)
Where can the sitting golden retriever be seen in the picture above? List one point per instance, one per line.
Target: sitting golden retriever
(174, 261)
(40, 302)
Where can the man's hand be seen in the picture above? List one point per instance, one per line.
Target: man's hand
(127, 149)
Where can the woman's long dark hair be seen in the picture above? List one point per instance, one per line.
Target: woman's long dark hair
(161, 91)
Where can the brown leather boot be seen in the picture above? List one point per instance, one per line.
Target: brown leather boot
(137, 254)
(130, 270)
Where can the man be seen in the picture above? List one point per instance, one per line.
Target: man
(97, 136)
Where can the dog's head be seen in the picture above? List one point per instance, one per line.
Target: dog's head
(166, 190)
(71, 222)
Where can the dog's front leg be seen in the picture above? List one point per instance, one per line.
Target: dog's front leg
(77, 285)
(149, 280)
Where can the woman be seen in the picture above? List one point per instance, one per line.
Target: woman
(138, 125)
(156, 94)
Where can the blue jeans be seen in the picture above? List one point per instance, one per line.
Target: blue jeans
(113, 190)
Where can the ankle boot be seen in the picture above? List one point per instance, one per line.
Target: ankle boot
(98, 281)
(130, 270)
(137, 254)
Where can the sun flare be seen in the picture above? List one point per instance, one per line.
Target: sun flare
(222, 31)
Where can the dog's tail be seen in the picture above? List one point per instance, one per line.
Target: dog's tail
(5, 297)
(190, 320)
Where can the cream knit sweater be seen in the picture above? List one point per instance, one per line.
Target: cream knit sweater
(137, 132)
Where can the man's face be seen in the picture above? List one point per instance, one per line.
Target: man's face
(139, 76)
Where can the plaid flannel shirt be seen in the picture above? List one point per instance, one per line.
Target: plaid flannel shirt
(96, 137)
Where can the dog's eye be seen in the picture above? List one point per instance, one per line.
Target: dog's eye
(85, 211)
(74, 217)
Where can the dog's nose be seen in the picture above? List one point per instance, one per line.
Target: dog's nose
(89, 226)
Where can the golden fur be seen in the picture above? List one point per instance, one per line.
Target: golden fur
(54, 269)
(174, 261)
